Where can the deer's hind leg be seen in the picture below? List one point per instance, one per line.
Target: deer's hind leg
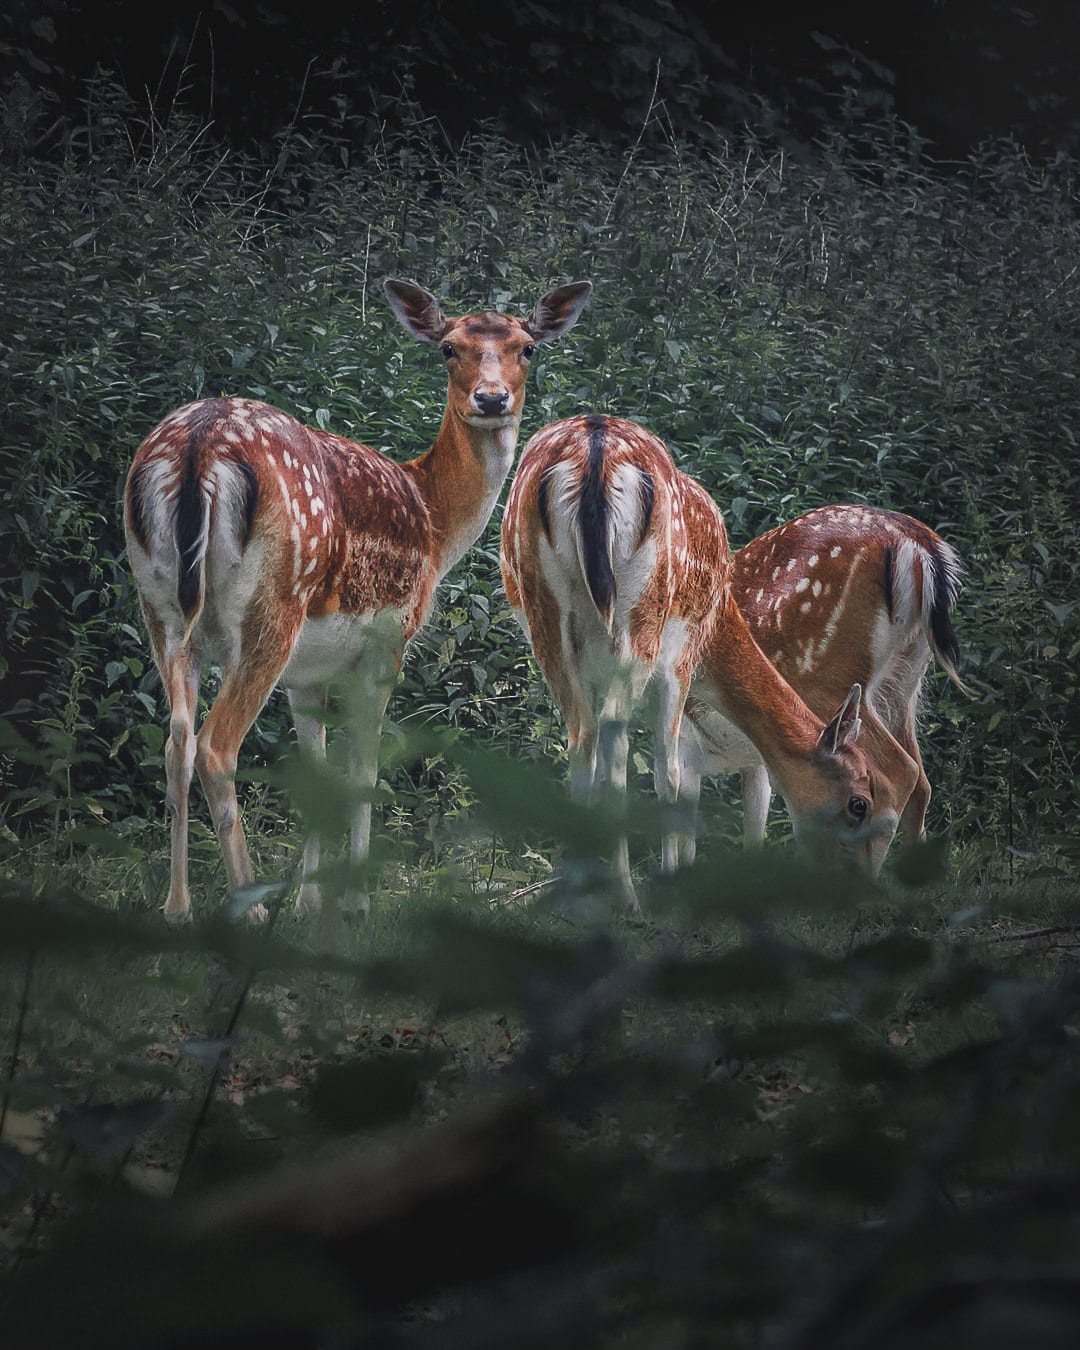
(247, 685)
(179, 669)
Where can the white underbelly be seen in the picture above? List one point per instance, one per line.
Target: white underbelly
(722, 746)
(333, 644)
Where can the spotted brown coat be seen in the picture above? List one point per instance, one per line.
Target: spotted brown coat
(842, 594)
(282, 552)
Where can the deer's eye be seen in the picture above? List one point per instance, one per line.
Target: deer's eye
(858, 807)
(448, 350)
(527, 352)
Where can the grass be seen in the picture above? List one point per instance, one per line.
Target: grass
(792, 1046)
(82, 1010)
(767, 1082)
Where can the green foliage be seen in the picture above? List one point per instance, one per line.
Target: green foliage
(781, 1108)
(850, 323)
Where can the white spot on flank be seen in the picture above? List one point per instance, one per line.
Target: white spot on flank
(817, 588)
(288, 460)
(812, 561)
(775, 573)
(759, 595)
(801, 584)
(834, 552)
(806, 607)
(790, 564)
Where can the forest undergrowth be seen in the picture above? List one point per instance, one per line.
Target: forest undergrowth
(774, 1109)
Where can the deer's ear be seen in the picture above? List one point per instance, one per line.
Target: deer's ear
(558, 311)
(417, 310)
(843, 730)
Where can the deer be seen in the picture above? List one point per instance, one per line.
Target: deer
(844, 594)
(289, 555)
(617, 566)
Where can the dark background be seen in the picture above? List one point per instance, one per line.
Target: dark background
(958, 70)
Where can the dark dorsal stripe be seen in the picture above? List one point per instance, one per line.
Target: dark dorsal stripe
(593, 521)
(543, 506)
(137, 498)
(647, 490)
(943, 597)
(251, 501)
(890, 581)
(189, 525)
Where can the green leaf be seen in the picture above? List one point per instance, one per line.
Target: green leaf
(921, 864)
(103, 840)
(108, 1130)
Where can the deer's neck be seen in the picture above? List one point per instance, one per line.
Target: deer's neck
(460, 479)
(742, 683)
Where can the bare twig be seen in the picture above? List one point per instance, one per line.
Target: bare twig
(525, 890)
(849, 1301)
(215, 1074)
(363, 284)
(372, 1184)
(24, 1007)
(279, 163)
(1052, 931)
(635, 147)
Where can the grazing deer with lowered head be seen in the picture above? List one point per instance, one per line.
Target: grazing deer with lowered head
(617, 565)
(287, 554)
(842, 595)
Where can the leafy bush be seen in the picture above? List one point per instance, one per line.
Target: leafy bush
(780, 1109)
(850, 323)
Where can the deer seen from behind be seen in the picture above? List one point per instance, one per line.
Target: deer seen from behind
(614, 564)
(618, 568)
(286, 554)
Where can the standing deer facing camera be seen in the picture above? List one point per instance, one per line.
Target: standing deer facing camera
(618, 567)
(842, 594)
(287, 554)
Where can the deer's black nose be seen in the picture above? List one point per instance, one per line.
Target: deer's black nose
(491, 404)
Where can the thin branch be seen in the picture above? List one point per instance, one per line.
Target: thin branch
(1052, 931)
(215, 1075)
(851, 1299)
(280, 161)
(635, 147)
(24, 1008)
(525, 890)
